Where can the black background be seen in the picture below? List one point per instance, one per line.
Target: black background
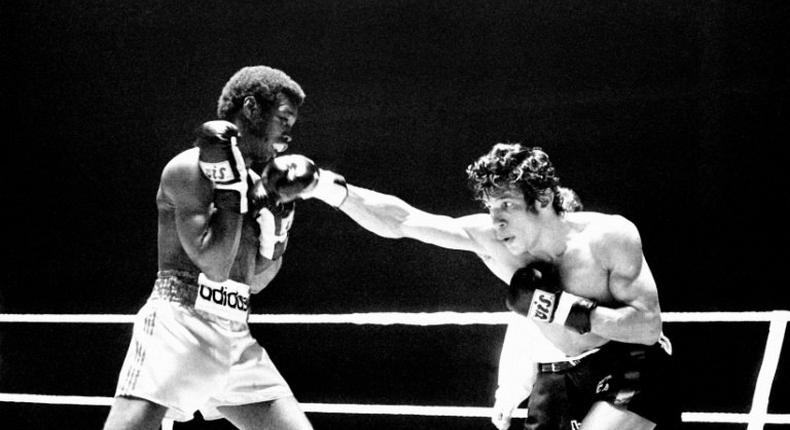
(672, 113)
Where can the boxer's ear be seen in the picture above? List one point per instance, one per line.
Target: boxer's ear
(544, 199)
(250, 108)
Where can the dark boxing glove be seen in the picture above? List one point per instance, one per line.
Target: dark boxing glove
(287, 177)
(536, 292)
(222, 163)
(273, 223)
(291, 177)
(260, 196)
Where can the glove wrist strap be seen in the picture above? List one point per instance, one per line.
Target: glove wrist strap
(574, 312)
(331, 188)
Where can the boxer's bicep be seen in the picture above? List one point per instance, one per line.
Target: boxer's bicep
(441, 230)
(630, 279)
(209, 237)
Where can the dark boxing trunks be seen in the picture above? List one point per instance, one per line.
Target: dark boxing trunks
(629, 376)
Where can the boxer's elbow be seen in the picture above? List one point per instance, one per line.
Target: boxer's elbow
(651, 328)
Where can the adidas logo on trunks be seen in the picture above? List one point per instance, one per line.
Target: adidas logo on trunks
(229, 299)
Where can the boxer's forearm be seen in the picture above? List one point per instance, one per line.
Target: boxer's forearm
(626, 324)
(211, 242)
(389, 216)
(382, 214)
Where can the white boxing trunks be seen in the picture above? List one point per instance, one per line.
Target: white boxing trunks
(190, 359)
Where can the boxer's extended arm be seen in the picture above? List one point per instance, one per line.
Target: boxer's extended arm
(211, 240)
(630, 283)
(389, 216)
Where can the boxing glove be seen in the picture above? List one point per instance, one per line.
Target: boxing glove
(222, 163)
(262, 196)
(535, 291)
(273, 219)
(291, 177)
(287, 177)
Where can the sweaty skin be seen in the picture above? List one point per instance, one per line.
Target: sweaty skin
(194, 237)
(209, 230)
(599, 257)
(594, 266)
(194, 210)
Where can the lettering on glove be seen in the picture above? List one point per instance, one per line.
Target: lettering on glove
(536, 292)
(222, 163)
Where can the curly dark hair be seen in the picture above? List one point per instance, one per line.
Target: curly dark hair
(512, 165)
(261, 82)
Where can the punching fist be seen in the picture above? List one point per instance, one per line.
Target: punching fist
(536, 292)
(290, 177)
(287, 177)
(222, 163)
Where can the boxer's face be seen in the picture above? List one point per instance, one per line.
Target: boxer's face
(280, 121)
(514, 224)
(270, 129)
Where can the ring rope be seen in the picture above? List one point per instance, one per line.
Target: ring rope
(756, 419)
(762, 389)
(391, 318)
(369, 409)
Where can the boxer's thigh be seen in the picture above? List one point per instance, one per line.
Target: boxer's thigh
(280, 414)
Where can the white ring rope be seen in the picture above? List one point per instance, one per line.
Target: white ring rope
(329, 408)
(343, 408)
(762, 389)
(756, 419)
(390, 318)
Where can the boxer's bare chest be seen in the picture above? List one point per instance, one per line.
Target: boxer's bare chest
(582, 273)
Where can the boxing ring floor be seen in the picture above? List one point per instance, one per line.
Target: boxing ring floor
(51, 364)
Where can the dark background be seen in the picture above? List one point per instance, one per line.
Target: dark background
(672, 113)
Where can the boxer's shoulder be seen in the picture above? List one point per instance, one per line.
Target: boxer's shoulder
(182, 172)
(602, 228)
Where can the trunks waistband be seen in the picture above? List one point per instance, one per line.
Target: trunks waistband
(563, 365)
(176, 286)
(228, 299)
